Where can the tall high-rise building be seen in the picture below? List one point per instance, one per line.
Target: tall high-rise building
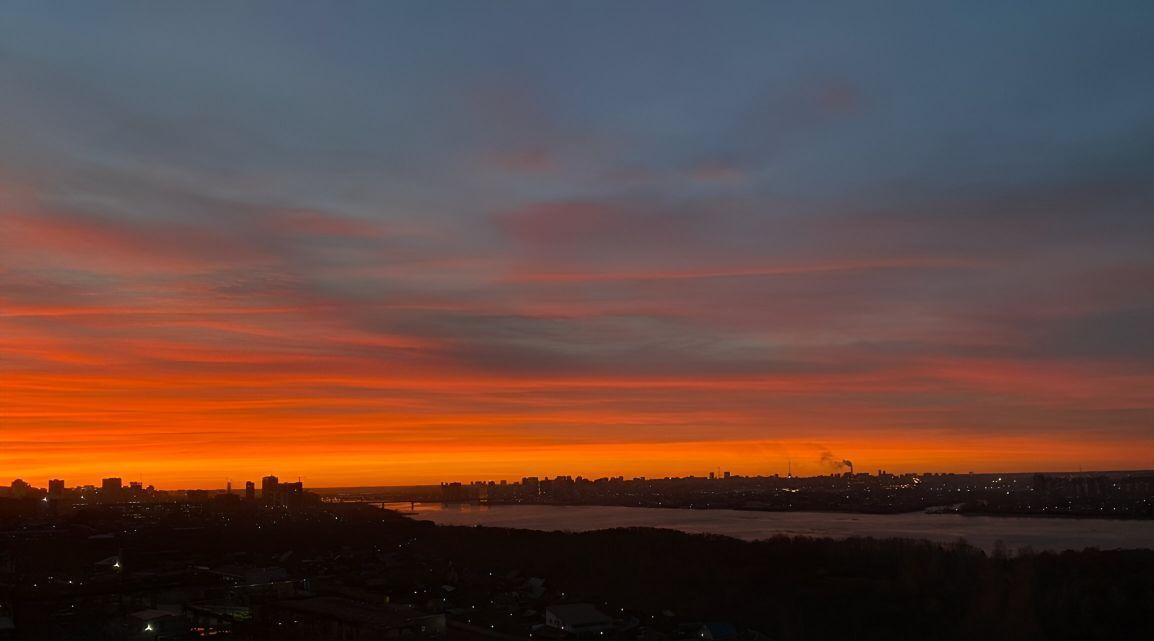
(531, 487)
(290, 492)
(56, 487)
(268, 489)
(249, 491)
(111, 487)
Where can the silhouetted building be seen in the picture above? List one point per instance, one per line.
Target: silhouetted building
(111, 487)
(453, 493)
(1040, 483)
(274, 492)
(249, 491)
(56, 488)
(531, 487)
(290, 493)
(268, 488)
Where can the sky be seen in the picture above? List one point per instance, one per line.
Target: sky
(376, 243)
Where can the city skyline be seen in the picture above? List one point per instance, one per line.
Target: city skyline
(840, 469)
(388, 245)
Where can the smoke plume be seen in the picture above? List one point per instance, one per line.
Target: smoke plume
(827, 458)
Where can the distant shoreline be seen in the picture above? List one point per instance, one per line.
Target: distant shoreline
(365, 489)
(1103, 517)
(986, 533)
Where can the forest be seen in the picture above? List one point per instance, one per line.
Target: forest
(857, 589)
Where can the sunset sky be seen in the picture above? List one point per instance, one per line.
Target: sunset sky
(371, 243)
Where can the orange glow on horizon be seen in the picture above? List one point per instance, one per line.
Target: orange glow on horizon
(351, 464)
(125, 350)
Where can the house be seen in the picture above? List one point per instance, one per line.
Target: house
(578, 618)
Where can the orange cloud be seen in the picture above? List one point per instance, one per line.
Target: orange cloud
(188, 353)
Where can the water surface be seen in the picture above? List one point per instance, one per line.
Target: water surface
(1039, 533)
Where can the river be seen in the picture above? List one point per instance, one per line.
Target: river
(1039, 533)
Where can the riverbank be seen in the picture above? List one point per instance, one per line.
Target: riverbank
(819, 588)
(986, 532)
(961, 509)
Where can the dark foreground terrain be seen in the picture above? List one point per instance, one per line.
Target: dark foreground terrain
(182, 571)
(799, 588)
